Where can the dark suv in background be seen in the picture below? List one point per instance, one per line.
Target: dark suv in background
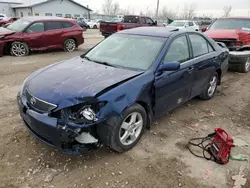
(40, 33)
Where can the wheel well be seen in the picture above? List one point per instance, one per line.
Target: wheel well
(148, 111)
(219, 75)
(71, 38)
(6, 48)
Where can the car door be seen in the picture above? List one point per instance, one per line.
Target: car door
(173, 88)
(150, 22)
(204, 58)
(144, 21)
(53, 35)
(34, 35)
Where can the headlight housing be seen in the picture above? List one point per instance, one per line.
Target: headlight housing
(81, 113)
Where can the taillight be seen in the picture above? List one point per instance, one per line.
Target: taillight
(119, 27)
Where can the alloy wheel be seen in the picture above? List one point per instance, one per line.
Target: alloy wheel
(70, 45)
(18, 49)
(212, 86)
(247, 65)
(131, 128)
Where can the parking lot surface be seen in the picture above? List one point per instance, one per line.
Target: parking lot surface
(161, 158)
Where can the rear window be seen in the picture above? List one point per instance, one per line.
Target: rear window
(53, 25)
(131, 19)
(67, 24)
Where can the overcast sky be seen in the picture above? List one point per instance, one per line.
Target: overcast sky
(240, 7)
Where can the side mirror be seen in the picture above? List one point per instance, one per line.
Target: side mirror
(203, 28)
(170, 66)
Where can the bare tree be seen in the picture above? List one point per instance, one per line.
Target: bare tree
(188, 11)
(227, 10)
(168, 13)
(115, 8)
(110, 7)
(126, 11)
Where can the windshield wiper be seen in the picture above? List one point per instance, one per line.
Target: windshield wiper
(100, 62)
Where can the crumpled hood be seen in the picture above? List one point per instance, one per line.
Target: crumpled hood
(222, 34)
(75, 79)
(4, 31)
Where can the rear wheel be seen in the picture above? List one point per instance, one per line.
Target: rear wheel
(209, 92)
(245, 67)
(19, 49)
(69, 45)
(122, 134)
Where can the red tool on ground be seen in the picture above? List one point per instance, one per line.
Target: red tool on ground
(216, 146)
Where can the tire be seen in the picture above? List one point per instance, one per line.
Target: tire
(245, 67)
(95, 27)
(116, 137)
(210, 90)
(19, 49)
(69, 45)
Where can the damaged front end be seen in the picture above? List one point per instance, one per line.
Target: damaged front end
(71, 130)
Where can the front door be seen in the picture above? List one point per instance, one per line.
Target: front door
(34, 36)
(172, 88)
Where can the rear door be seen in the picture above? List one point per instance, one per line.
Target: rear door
(34, 36)
(53, 35)
(172, 88)
(204, 58)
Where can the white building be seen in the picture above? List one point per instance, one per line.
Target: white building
(60, 8)
(6, 7)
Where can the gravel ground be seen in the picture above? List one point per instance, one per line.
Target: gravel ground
(159, 160)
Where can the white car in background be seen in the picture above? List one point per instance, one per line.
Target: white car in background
(185, 24)
(94, 24)
(3, 17)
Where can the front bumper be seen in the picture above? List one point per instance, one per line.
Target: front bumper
(52, 132)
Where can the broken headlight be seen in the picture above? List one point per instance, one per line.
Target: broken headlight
(82, 113)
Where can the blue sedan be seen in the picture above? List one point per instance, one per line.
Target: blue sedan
(111, 93)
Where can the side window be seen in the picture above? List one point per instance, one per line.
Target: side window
(199, 45)
(150, 21)
(67, 24)
(53, 25)
(143, 20)
(178, 50)
(35, 28)
(59, 15)
(210, 49)
(48, 14)
(67, 15)
(190, 24)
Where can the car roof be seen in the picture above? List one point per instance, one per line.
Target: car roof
(45, 18)
(150, 31)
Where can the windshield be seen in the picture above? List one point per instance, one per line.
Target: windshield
(230, 24)
(19, 25)
(116, 20)
(178, 23)
(127, 51)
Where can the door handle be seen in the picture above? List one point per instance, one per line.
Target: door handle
(190, 69)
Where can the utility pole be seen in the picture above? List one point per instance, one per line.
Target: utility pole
(157, 10)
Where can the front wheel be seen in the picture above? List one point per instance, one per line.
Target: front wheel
(123, 134)
(69, 45)
(19, 49)
(209, 92)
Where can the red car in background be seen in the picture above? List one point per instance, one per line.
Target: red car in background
(234, 32)
(39, 34)
(7, 21)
